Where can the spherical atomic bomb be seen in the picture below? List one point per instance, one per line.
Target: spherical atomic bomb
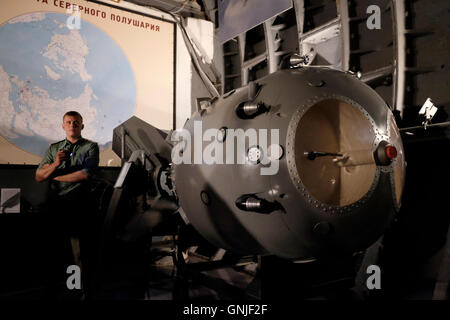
(324, 175)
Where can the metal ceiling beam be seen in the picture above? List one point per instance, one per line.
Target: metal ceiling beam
(186, 8)
(342, 6)
(398, 13)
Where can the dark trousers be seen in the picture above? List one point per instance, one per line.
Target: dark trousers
(70, 221)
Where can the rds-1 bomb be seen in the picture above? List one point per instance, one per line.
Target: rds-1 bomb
(304, 163)
(340, 167)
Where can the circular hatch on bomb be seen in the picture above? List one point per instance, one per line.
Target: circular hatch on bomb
(333, 152)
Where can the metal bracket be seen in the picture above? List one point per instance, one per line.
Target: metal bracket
(137, 154)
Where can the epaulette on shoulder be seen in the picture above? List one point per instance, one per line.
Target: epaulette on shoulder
(58, 142)
(89, 141)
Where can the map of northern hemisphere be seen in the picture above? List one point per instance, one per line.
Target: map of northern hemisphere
(47, 69)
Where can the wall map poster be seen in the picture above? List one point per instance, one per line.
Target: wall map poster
(107, 64)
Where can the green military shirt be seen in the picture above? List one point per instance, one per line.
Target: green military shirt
(84, 155)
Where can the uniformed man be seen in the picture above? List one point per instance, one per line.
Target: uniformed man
(68, 165)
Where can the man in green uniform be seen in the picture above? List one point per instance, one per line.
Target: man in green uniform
(68, 165)
(71, 161)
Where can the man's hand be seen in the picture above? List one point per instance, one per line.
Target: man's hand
(60, 157)
(45, 172)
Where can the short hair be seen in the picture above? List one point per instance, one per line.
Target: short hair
(73, 114)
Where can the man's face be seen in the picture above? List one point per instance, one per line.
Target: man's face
(72, 125)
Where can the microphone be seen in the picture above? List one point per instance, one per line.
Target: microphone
(69, 153)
